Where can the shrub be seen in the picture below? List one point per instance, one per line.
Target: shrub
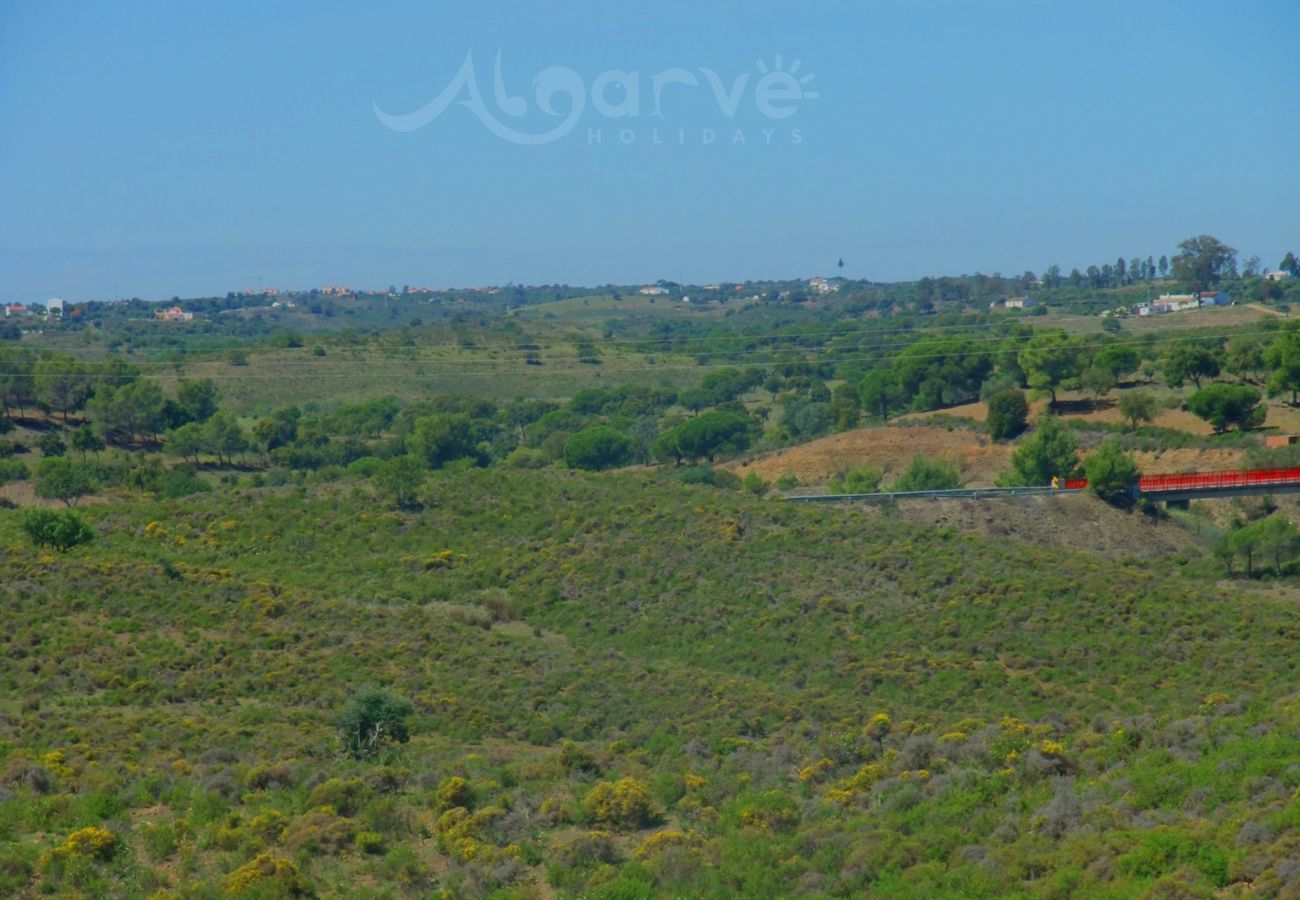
(620, 804)
(52, 445)
(60, 530)
(13, 470)
(453, 792)
(924, 474)
(1008, 412)
(370, 843)
(856, 481)
(771, 811)
(268, 875)
(374, 718)
(526, 458)
(707, 475)
(1111, 473)
(364, 467)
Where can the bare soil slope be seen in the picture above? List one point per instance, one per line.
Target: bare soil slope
(889, 448)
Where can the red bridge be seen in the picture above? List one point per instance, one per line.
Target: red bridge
(1190, 485)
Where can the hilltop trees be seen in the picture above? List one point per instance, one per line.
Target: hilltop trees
(1290, 264)
(1204, 262)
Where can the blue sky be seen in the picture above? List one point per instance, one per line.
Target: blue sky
(153, 149)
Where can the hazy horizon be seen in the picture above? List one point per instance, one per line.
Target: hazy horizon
(155, 152)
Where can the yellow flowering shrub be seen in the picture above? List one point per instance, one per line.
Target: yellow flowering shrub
(266, 869)
(665, 840)
(817, 771)
(624, 803)
(454, 791)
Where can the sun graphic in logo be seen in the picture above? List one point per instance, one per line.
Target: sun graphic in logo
(785, 85)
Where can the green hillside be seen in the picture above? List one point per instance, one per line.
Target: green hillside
(778, 699)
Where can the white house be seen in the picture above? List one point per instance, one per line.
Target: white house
(1020, 303)
(1279, 275)
(54, 308)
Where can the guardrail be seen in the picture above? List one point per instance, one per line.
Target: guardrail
(955, 494)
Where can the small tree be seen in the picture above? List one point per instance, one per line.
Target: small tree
(1188, 361)
(59, 478)
(1138, 407)
(1111, 473)
(60, 530)
(85, 440)
(1050, 451)
(1098, 382)
(1278, 540)
(1223, 405)
(187, 441)
(1008, 414)
(924, 474)
(599, 447)
(52, 445)
(400, 479)
(374, 718)
(441, 438)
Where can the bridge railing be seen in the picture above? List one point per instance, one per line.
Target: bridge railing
(1241, 478)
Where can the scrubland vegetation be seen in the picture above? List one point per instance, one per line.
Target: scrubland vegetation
(529, 644)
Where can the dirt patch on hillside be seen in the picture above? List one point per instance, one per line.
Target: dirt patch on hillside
(1070, 522)
(890, 448)
(1190, 459)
